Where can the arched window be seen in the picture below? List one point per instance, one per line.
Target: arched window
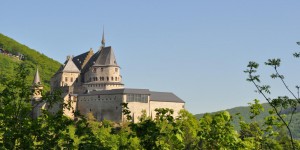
(116, 78)
(107, 78)
(112, 78)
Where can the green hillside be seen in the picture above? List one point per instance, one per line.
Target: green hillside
(47, 66)
(244, 112)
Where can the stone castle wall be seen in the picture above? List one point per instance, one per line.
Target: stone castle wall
(102, 106)
(137, 108)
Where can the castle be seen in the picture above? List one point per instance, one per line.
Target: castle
(92, 83)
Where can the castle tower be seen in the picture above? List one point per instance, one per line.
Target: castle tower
(36, 99)
(37, 86)
(102, 71)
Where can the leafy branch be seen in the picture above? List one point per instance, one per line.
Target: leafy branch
(265, 89)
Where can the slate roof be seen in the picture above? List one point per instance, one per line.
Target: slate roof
(91, 62)
(165, 97)
(78, 60)
(154, 96)
(106, 58)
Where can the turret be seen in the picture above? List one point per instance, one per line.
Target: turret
(102, 72)
(36, 99)
(37, 87)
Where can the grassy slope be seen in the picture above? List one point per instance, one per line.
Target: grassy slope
(244, 112)
(47, 66)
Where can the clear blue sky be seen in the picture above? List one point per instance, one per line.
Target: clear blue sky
(195, 49)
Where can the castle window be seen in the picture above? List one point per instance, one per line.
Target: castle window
(107, 78)
(66, 79)
(101, 69)
(94, 70)
(116, 78)
(71, 79)
(137, 98)
(112, 78)
(116, 69)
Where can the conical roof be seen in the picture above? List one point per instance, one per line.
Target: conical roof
(106, 57)
(37, 79)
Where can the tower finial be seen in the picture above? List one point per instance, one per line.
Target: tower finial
(103, 39)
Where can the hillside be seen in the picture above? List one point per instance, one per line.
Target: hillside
(14, 53)
(244, 112)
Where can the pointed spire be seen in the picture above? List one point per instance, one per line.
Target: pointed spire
(37, 79)
(103, 39)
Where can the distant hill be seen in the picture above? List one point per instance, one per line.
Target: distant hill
(12, 53)
(244, 112)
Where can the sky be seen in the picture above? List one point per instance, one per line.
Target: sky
(195, 49)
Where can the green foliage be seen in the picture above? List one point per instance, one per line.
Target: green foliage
(17, 129)
(282, 102)
(216, 132)
(32, 58)
(55, 131)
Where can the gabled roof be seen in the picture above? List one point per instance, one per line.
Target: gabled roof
(164, 97)
(69, 66)
(90, 62)
(81, 59)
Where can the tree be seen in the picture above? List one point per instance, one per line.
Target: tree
(280, 103)
(217, 132)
